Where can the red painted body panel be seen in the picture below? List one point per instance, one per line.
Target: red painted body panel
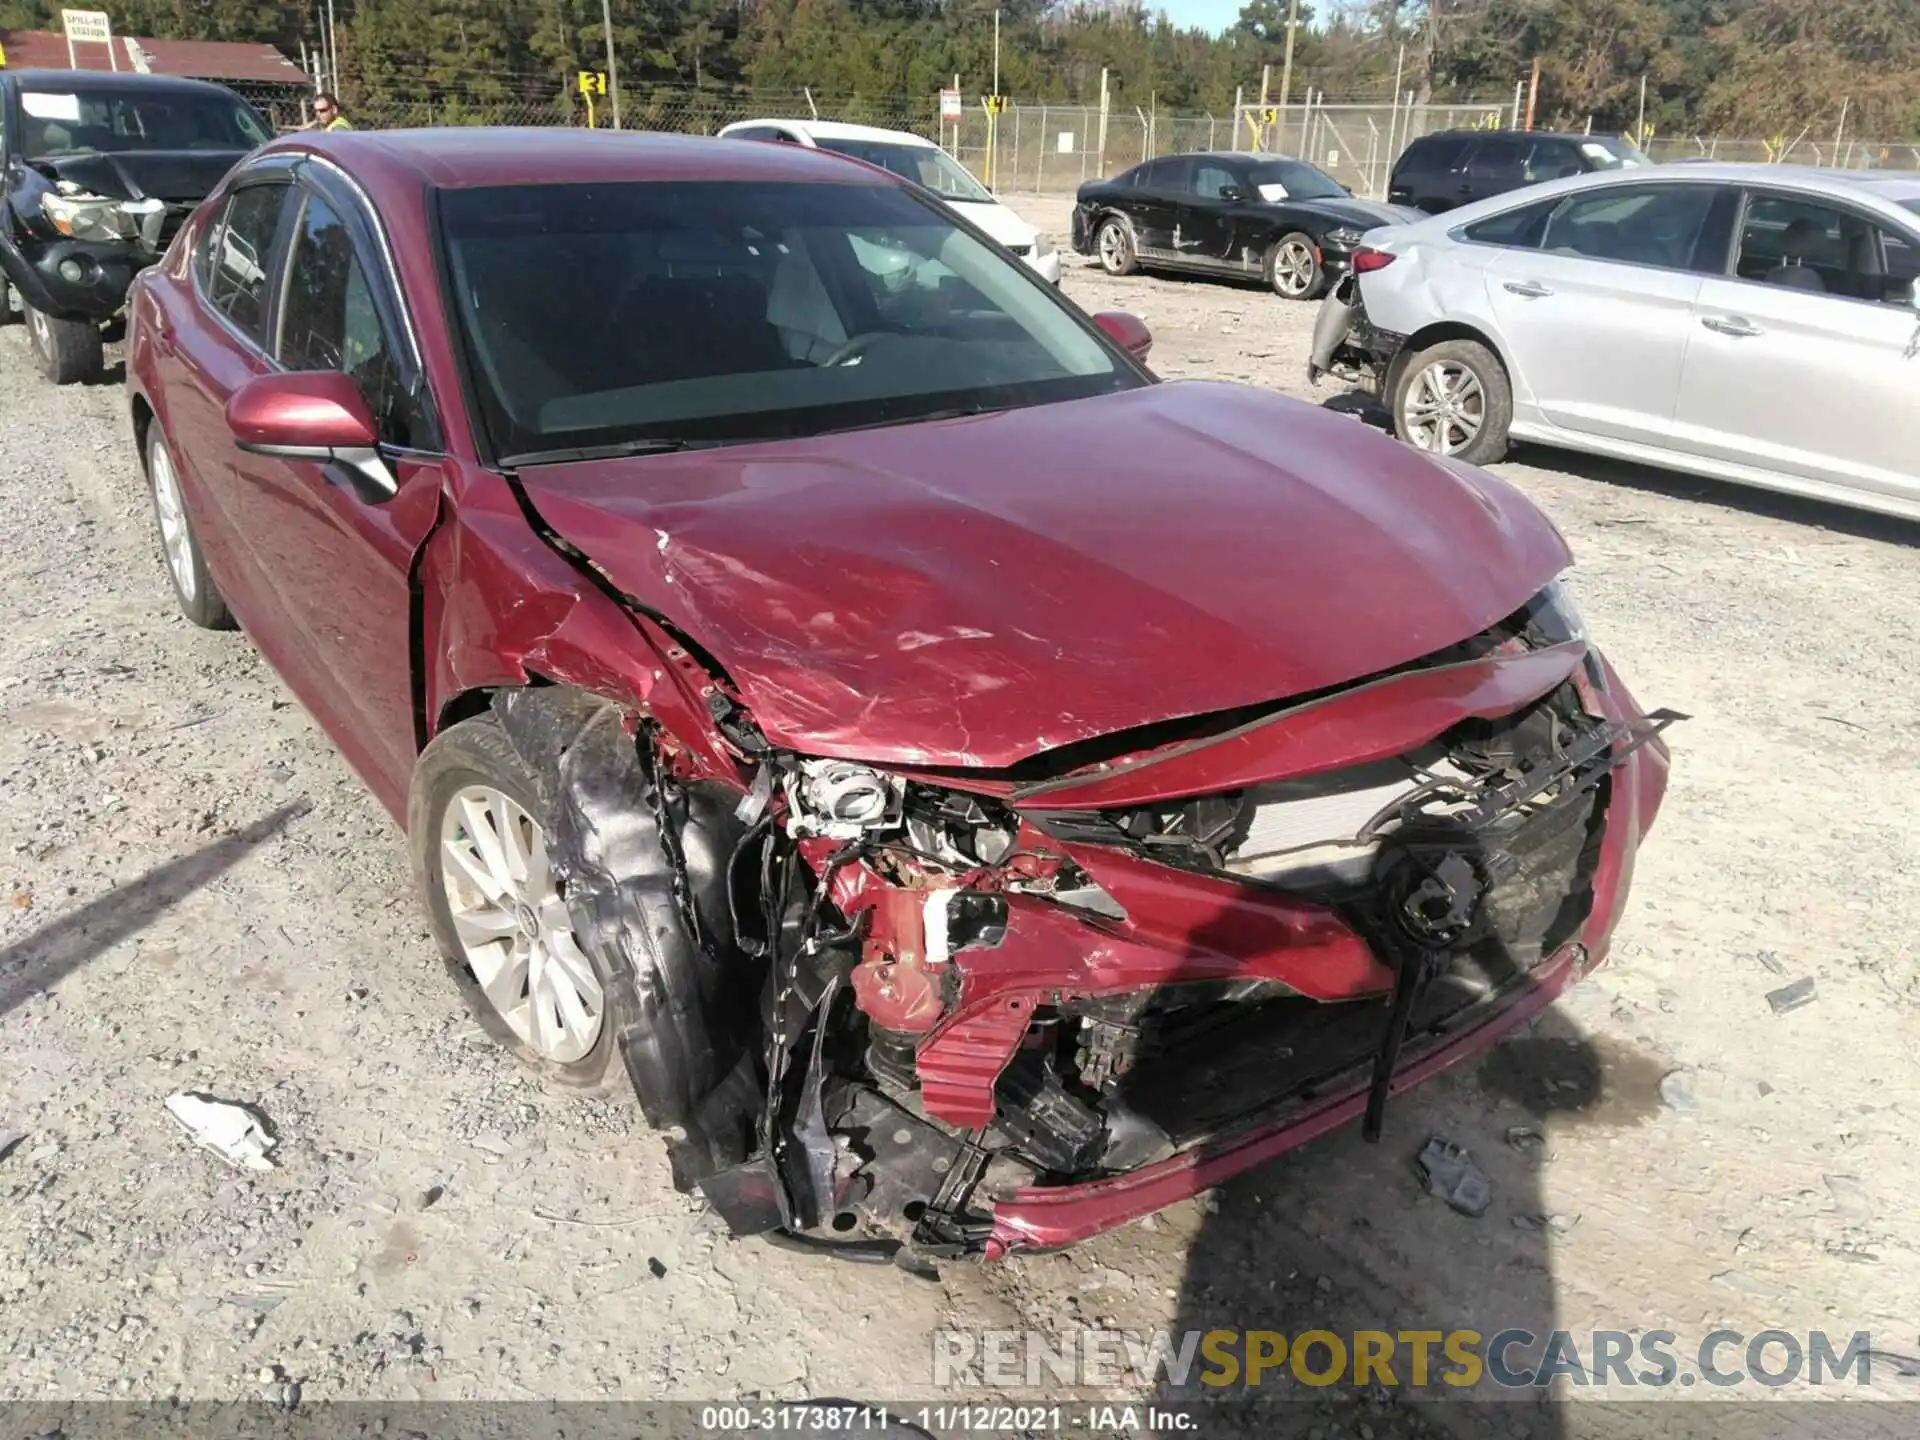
(974, 592)
(1063, 1215)
(315, 410)
(1389, 717)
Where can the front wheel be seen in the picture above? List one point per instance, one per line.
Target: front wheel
(1293, 268)
(1113, 242)
(69, 352)
(6, 301)
(498, 910)
(1454, 399)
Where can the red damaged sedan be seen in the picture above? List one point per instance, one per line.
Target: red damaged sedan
(975, 793)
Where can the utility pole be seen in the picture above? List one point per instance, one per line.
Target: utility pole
(996, 52)
(613, 70)
(1640, 129)
(1533, 91)
(333, 53)
(1286, 64)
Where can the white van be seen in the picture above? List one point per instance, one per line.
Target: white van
(922, 162)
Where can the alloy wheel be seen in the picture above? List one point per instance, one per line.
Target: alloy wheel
(176, 541)
(1444, 409)
(1113, 247)
(513, 926)
(1293, 269)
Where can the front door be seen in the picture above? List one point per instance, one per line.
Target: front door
(1597, 312)
(1807, 361)
(1206, 214)
(1155, 209)
(340, 554)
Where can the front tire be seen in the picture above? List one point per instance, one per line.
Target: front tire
(69, 352)
(1293, 268)
(1113, 243)
(1454, 399)
(193, 588)
(478, 831)
(6, 301)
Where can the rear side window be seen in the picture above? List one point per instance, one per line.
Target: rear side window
(1515, 229)
(1661, 225)
(1554, 160)
(1433, 152)
(1499, 158)
(239, 248)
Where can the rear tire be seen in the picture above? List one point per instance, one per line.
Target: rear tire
(1113, 243)
(69, 352)
(6, 301)
(199, 598)
(1293, 268)
(1454, 399)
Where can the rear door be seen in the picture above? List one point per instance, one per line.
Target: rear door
(1155, 208)
(1423, 177)
(210, 343)
(1596, 308)
(1208, 212)
(1803, 361)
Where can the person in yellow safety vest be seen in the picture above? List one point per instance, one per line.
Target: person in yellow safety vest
(327, 114)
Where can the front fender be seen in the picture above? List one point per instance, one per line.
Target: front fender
(500, 609)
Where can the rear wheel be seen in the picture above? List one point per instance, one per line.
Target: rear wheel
(1454, 399)
(1113, 242)
(1293, 267)
(199, 598)
(6, 302)
(68, 351)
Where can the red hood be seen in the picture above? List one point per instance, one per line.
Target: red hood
(973, 592)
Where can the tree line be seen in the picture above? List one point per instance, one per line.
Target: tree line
(1748, 67)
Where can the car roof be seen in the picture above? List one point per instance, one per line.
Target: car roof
(1478, 131)
(109, 82)
(840, 130)
(465, 157)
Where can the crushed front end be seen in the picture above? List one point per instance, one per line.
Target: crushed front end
(1015, 1009)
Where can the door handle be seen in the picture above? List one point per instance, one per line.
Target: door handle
(1529, 289)
(1735, 325)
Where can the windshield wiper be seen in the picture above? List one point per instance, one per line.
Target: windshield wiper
(956, 412)
(619, 451)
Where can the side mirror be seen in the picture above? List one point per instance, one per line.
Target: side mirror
(1129, 332)
(317, 415)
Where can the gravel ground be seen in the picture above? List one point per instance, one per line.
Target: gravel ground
(203, 898)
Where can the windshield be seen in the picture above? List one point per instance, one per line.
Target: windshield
(57, 122)
(922, 164)
(1604, 152)
(1294, 180)
(597, 314)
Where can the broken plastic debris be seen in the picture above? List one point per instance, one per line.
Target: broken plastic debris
(1451, 1175)
(1676, 1089)
(1521, 1138)
(1791, 997)
(233, 1132)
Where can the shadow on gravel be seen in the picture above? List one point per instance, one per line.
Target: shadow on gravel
(1337, 1238)
(114, 374)
(54, 951)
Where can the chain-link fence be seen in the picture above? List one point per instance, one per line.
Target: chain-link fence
(1034, 147)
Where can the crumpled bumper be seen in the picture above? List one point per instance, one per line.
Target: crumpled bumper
(1055, 1216)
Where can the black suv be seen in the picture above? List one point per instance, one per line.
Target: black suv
(1454, 167)
(97, 172)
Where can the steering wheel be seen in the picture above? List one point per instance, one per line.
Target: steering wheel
(854, 347)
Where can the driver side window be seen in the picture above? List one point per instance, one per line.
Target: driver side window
(1212, 182)
(329, 320)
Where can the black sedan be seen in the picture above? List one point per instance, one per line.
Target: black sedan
(1269, 217)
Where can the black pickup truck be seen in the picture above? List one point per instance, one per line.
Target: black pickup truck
(97, 173)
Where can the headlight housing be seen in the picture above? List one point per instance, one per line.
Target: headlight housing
(1345, 238)
(81, 215)
(1552, 613)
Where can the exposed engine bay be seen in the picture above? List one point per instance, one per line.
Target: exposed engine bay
(916, 996)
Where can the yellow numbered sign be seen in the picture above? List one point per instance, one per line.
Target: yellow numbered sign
(591, 83)
(1269, 116)
(996, 104)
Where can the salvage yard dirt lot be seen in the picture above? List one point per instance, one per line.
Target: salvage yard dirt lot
(196, 894)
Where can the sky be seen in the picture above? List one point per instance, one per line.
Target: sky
(1214, 15)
